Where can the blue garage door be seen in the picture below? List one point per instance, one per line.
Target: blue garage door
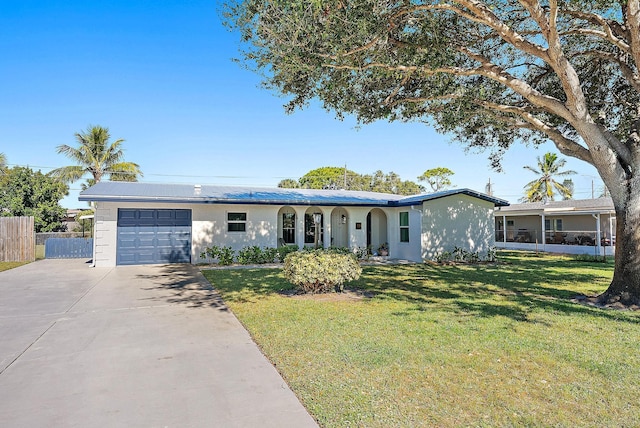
(148, 236)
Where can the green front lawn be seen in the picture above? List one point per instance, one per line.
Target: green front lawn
(10, 265)
(445, 346)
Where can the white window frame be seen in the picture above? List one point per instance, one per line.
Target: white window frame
(404, 227)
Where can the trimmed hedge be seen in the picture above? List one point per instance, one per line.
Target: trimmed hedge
(320, 271)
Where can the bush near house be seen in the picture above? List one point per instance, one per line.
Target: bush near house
(320, 271)
(247, 255)
(224, 255)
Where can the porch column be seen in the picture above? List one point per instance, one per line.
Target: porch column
(544, 232)
(504, 228)
(598, 237)
(326, 217)
(300, 212)
(611, 230)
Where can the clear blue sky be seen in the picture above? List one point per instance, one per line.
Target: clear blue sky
(160, 75)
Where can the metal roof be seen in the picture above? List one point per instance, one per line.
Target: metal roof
(575, 205)
(417, 199)
(122, 191)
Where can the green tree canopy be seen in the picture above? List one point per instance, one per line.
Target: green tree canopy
(487, 72)
(392, 183)
(97, 157)
(438, 178)
(289, 183)
(27, 193)
(3, 161)
(545, 186)
(330, 177)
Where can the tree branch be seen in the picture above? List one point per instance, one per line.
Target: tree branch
(607, 32)
(397, 89)
(627, 71)
(416, 100)
(481, 14)
(565, 145)
(600, 34)
(633, 20)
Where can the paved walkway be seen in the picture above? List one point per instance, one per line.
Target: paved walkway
(141, 346)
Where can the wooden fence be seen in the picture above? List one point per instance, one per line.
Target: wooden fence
(17, 239)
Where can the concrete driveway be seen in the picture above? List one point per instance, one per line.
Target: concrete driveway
(141, 346)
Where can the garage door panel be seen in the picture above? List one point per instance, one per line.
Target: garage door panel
(147, 236)
(183, 218)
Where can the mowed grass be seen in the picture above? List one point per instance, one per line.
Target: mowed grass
(484, 345)
(10, 265)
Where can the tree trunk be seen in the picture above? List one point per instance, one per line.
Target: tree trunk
(625, 286)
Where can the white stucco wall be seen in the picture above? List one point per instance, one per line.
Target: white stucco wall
(457, 220)
(209, 227)
(405, 250)
(435, 226)
(105, 234)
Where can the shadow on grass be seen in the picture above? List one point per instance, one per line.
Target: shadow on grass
(247, 285)
(515, 289)
(512, 290)
(184, 284)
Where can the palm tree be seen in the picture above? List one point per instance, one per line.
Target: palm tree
(96, 156)
(542, 188)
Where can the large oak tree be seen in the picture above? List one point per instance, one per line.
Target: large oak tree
(488, 72)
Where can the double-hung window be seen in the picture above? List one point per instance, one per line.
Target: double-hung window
(236, 222)
(404, 226)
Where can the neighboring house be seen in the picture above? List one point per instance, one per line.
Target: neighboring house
(585, 226)
(71, 219)
(140, 223)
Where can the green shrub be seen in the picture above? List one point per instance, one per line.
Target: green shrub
(362, 253)
(320, 271)
(461, 255)
(223, 254)
(256, 255)
(285, 250)
(249, 255)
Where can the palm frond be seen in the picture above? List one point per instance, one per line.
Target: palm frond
(68, 174)
(97, 156)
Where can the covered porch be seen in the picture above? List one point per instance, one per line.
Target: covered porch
(558, 229)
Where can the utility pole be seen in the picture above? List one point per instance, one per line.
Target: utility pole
(345, 176)
(488, 189)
